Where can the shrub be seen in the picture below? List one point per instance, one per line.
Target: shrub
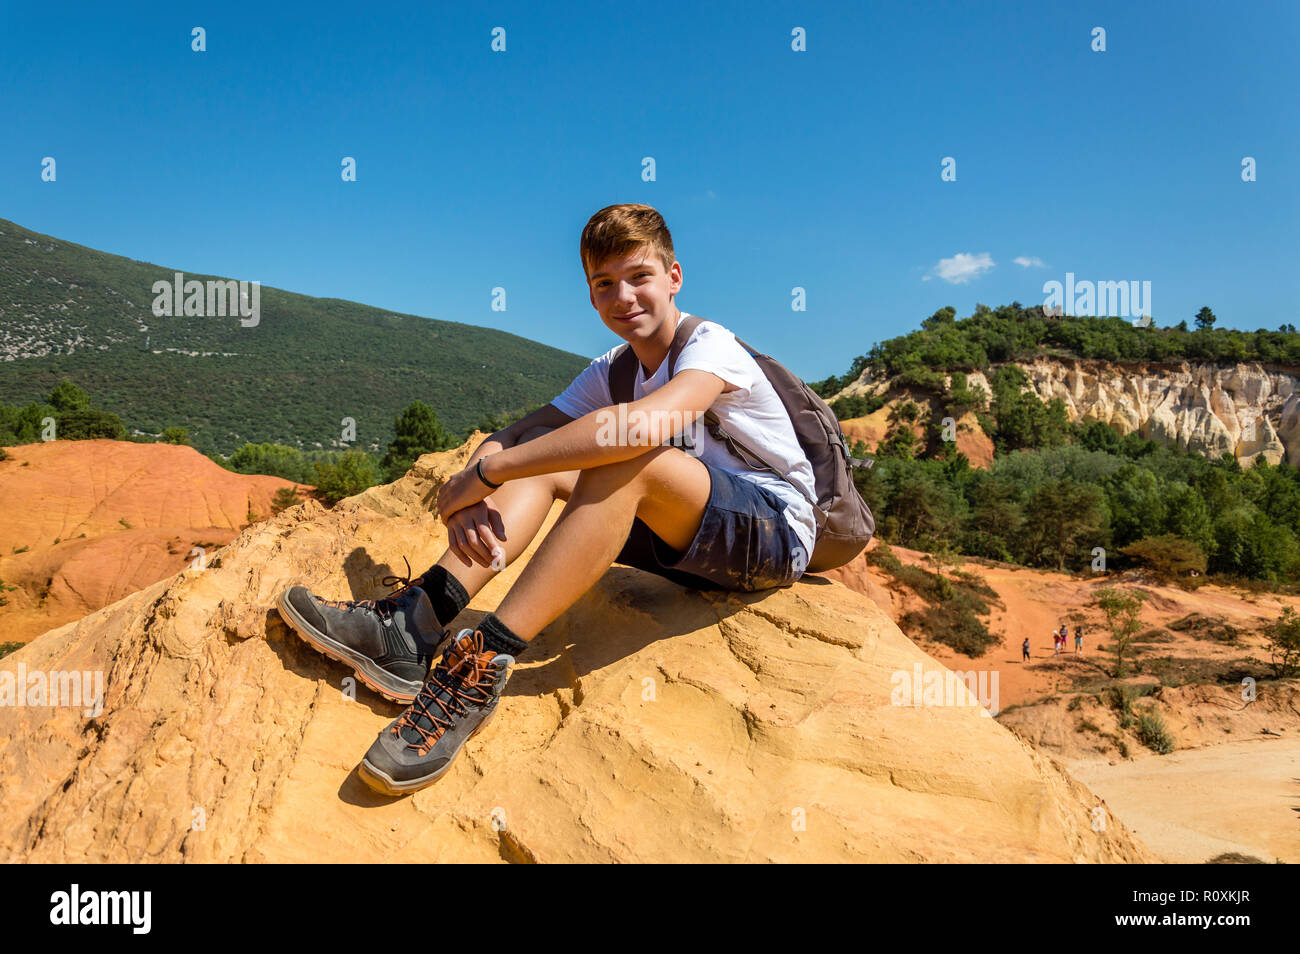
(1283, 637)
(285, 498)
(1152, 733)
(353, 472)
(1121, 700)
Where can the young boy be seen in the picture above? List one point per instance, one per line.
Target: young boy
(697, 516)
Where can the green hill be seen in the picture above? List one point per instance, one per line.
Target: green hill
(67, 311)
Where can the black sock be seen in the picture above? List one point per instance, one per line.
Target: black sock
(445, 593)
(498, 637)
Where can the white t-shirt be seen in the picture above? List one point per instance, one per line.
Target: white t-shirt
(753, 413)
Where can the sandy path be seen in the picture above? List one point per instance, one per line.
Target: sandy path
(1189, 806)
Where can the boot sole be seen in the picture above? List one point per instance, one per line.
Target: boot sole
(374, 677)
(380, 782)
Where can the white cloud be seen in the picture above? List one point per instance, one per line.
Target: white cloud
(961, 268)
(1029, 262)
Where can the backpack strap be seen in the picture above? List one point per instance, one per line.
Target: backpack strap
(622, 377)
(622, 370)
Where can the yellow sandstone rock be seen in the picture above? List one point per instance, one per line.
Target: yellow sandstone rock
(648, 723)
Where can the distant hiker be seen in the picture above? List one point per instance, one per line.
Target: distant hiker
(1078, 639)
(1024, 650)
(613, 448)
(1056, 643)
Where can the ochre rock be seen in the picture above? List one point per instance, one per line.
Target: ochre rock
(647, 723)
(1241, 409)
(125, 515)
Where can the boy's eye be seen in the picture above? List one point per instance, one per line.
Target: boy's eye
(602, 283)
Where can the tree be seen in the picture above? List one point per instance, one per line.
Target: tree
(66, 396)
(84, 424)
(352, 473)
(1136, 502)
(418, 432)
(277, 460)
(900, 443)
(1123, 610)
(176, 435)
(923, 512)
(1204, 319)
(1096, 436)
(995, 521)
(944, 316)
(1167, 555)
(1060, 515)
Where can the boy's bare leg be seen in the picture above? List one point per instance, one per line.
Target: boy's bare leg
(666, 487)
(523, 505)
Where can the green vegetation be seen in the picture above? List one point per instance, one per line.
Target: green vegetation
(418, 432)
(285, 498)
(954, 604)
(1153, 733)
(1122, 608)
(69, 407)
(352, 473)
(857, 405)
(1121, 700)
(7, 648)
(1062, 495)
(1284, 644)
(1013, 332)
(289, 380)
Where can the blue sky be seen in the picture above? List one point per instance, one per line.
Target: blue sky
(775, 168)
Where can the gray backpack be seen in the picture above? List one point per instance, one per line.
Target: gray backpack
(844, 522)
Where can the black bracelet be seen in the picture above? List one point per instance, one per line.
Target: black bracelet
(479, 469)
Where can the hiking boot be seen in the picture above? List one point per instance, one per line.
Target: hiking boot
(457, 700)
(389, 643)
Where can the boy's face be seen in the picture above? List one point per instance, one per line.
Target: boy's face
(635, 285)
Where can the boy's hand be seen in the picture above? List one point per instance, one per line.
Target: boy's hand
(474, 534)
(459, 491)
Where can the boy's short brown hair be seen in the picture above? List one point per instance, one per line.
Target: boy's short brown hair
(618, 230)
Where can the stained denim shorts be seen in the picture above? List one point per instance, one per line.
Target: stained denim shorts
(744, 541)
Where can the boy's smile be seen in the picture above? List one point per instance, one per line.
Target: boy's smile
(634, 297)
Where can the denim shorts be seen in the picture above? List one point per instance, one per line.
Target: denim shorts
(744, 541)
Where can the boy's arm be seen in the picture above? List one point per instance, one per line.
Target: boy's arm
(546, 416)
(585, 442)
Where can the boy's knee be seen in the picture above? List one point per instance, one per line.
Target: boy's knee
(624, 471)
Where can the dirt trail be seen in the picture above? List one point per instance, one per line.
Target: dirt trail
(1191, 806)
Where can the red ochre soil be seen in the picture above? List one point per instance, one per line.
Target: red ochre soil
(102, 519)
